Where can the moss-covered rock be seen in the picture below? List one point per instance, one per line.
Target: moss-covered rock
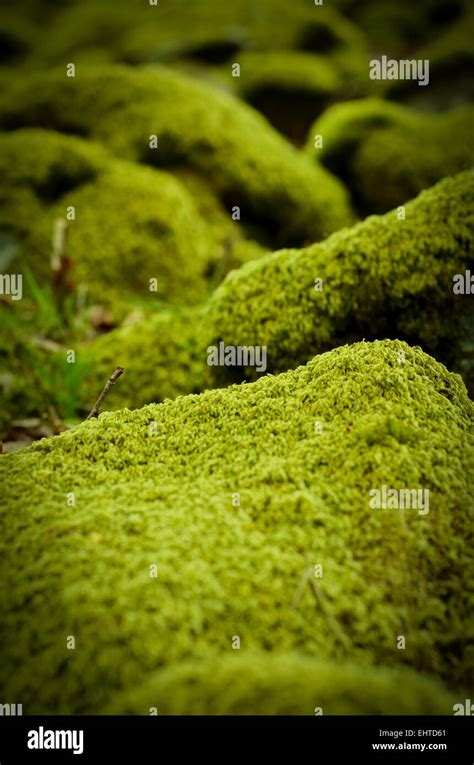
(132, 223)
(162, 355)
(387, 154)
(385, 277)
(243, 159)
(235, 497)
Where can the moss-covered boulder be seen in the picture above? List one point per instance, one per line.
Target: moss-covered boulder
(127, 224)
(386, 153)
(243, 159)
(157, 537)
(389, 276)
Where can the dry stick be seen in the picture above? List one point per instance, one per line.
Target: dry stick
(109, 384)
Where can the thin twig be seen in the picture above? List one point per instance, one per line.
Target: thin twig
(109, 384)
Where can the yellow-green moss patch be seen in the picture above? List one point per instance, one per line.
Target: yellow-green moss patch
(235, 496)
(389, 276)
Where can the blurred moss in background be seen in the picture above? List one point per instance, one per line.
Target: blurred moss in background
(268, 133)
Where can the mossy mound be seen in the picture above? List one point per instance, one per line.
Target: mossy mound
(387, 154)
(88, 515)
(345, 126)
(162, 356)
(243, 159)
(385, 277)
(132, 223)
(283, 684)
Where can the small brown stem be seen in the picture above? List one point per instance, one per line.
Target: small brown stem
(109, 384)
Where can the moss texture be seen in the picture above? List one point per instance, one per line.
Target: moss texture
(243, 159)
(155, 487)
(162, 355)
(384, 277)
(387, 154)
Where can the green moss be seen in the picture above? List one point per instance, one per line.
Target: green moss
(237, 239)
(346, 125)
(387, 154)
(155, 487)
(451, 60)
(395, 163)
(17, 38)
(288, 87)
(132, 223)
(162, 355)
(384, 277)
(202, 30)
(400, 26)
(284, 684)
(233, 147)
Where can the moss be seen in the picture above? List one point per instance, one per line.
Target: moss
(132, 223)
(162, 355)
(398, 26)
(387, 154)
(346, 125)
(383, 278)
(17, 37)
(451, 60)
(210, 132)
(289, 88)
(285, 684)
(203, 30)
(155, 487)
(237, 239)
(395, 163)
